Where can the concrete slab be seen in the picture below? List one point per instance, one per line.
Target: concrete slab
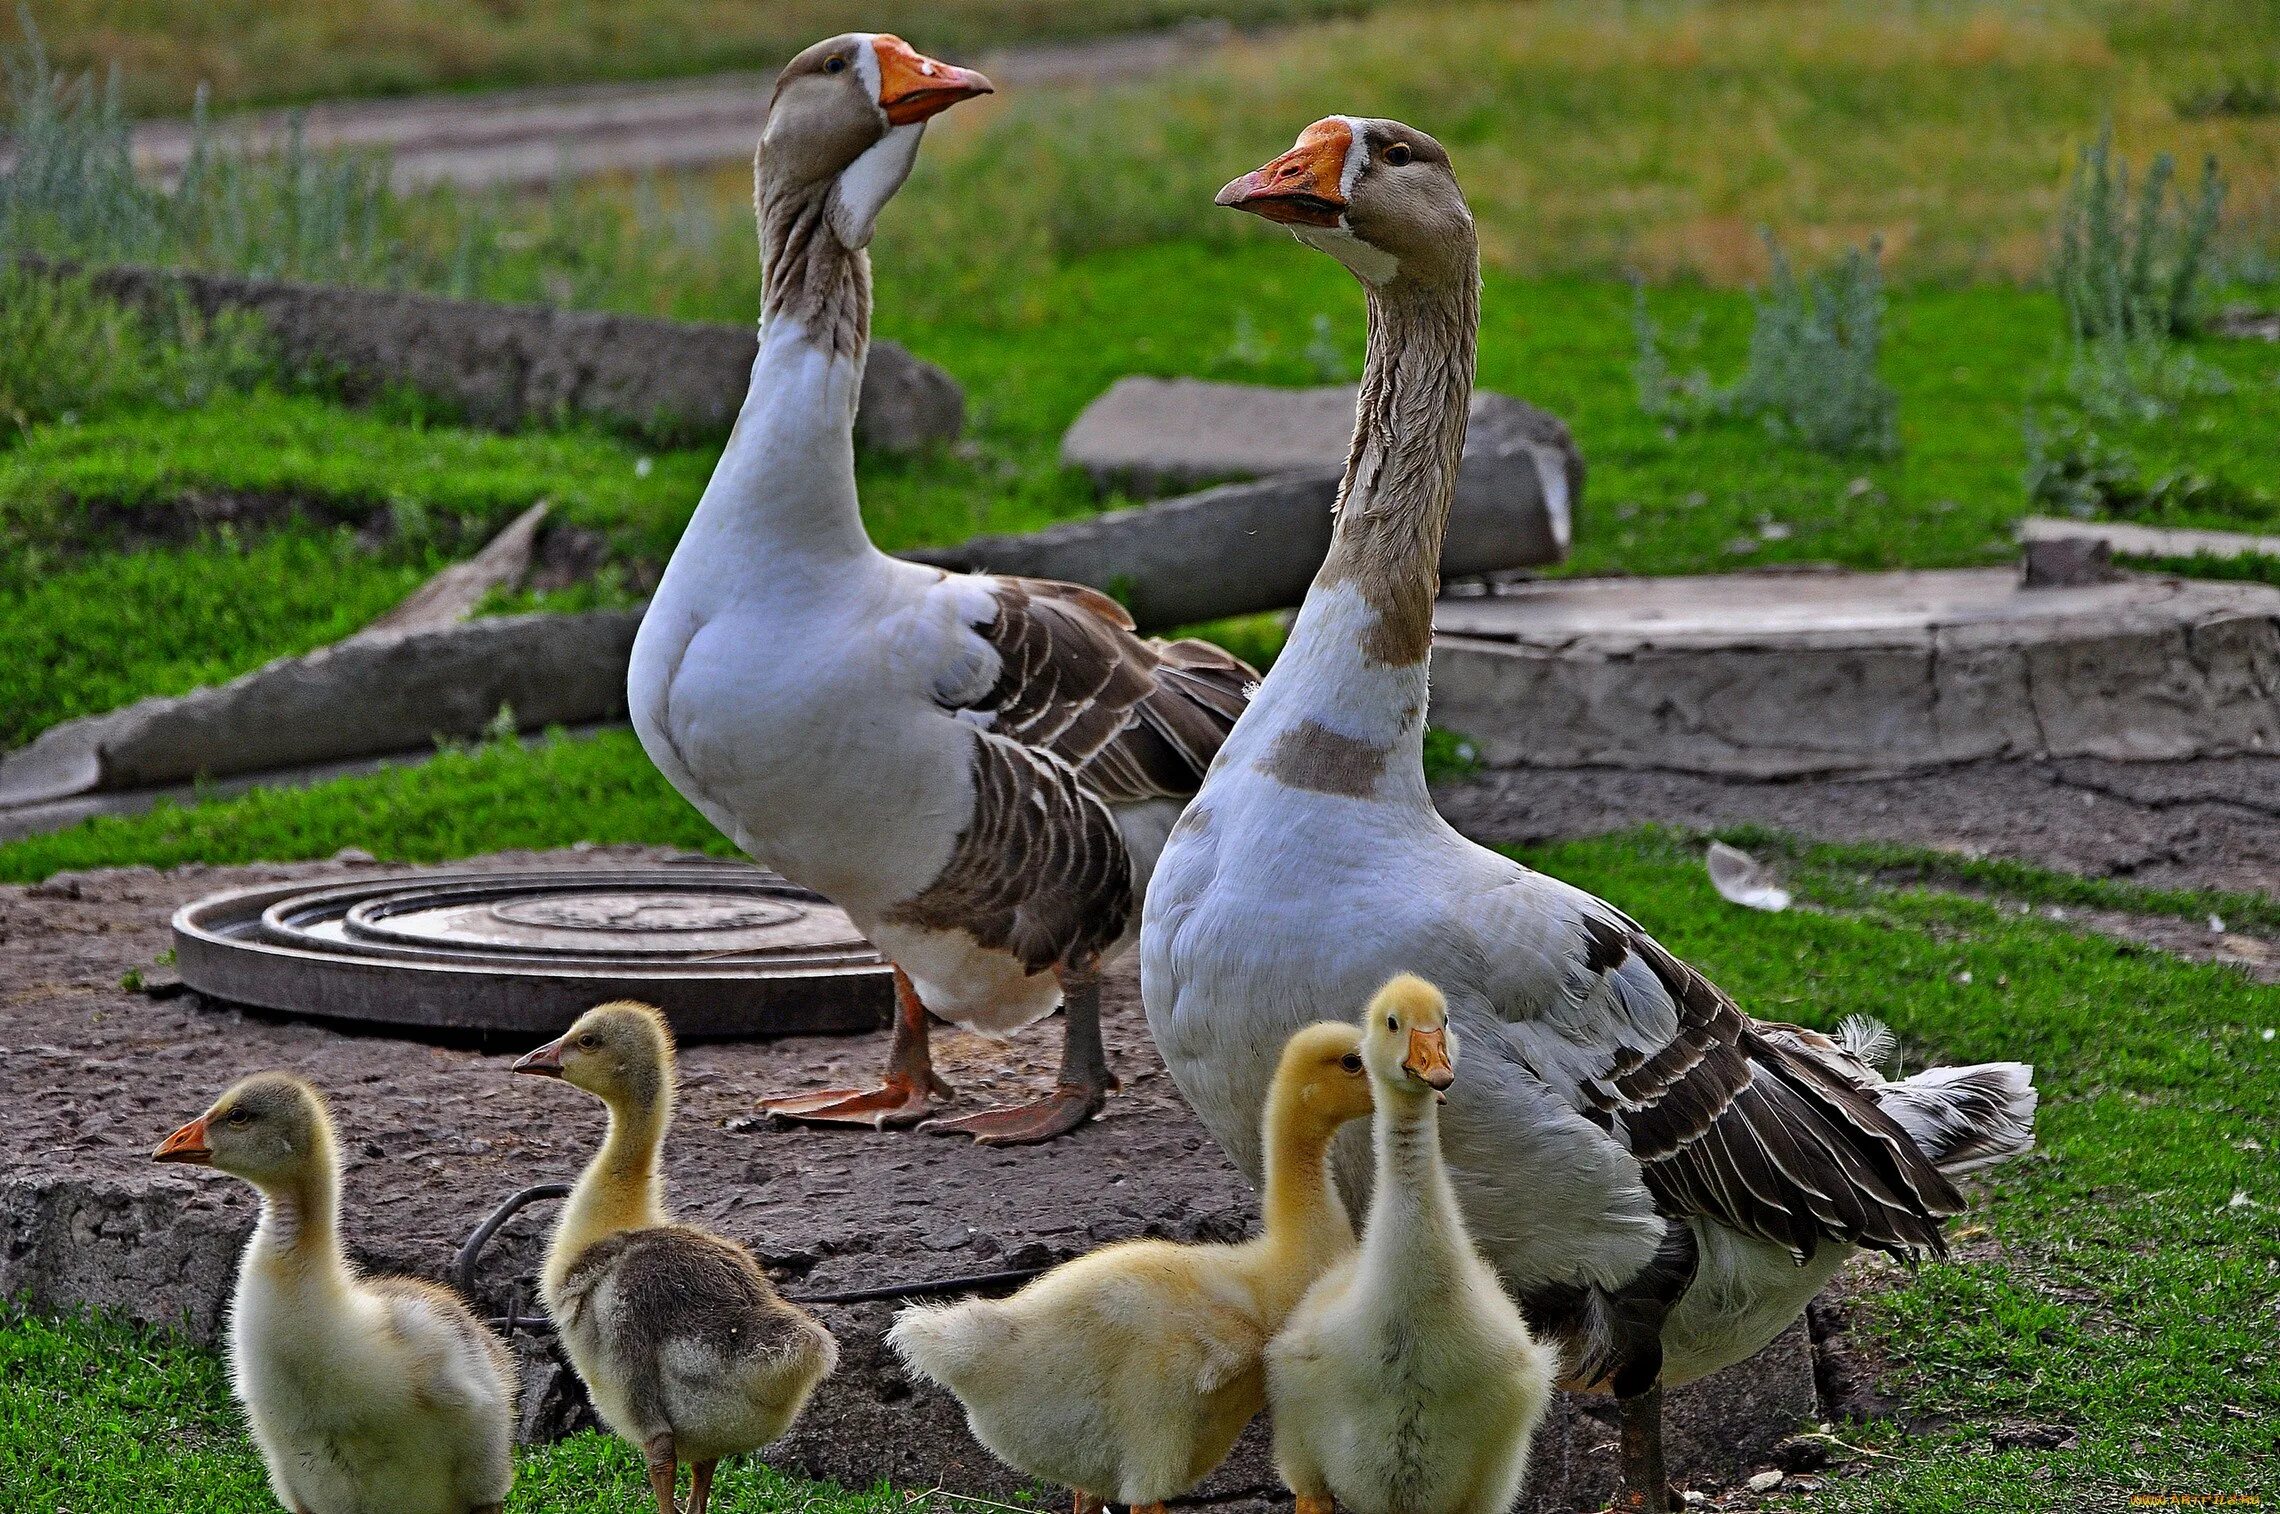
(2126, 540)
(1772, 674)
(435, 1135)
(1154, 436)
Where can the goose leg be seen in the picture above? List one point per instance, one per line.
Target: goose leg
(663, 1468)
(1645, 1484)
(904, 1098)
(1083, 1088)
(1087, 1504)
(700, 1485)
(1313, 1505)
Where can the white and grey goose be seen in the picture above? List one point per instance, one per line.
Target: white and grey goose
(1662, 1181)
(979, 770)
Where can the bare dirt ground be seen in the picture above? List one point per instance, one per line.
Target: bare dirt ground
(2206, 823)
(532, 136)
(435, 1135)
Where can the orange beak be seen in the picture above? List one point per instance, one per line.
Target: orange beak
(914, 87)
(1428, 1060)
(187, 1145)
(1300, 188)
(546, 1062)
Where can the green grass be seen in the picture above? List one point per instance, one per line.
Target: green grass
(292, 50)
(1968, 364)
(2119, 1282)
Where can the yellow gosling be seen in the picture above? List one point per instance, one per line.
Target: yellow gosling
(1127, 1375)
(684, 1347)
(362, 1392)
(1406, 1382)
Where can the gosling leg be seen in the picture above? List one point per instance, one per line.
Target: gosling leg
(1313, 1505)
(664, 1467)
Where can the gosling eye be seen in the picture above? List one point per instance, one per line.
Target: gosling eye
(1392, 1023)
(835, 65)
(1398, 155)
(1351, 1061)
(589, 1041)
(239, 1118)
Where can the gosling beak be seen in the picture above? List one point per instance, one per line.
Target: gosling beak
(546, 1062)
(1302, 187)
(1428, 1061)
(187, 1145)
(914, 87)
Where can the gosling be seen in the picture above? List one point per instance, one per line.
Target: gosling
(366, 1395)
(684, 1347)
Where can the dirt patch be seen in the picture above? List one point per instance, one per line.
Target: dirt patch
(2201, 823)
(435, 1135)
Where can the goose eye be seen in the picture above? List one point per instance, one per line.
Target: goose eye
(238, 1117)
(1351, 1061)
(589, 1041)
(835, 65)
(1398, 155)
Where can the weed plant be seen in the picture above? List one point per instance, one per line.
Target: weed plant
(1812, 374)
(2130, 266)
(66, 351)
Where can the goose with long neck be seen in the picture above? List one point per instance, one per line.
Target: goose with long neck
(979, 770)
(1661, 1180)
(361, 1392)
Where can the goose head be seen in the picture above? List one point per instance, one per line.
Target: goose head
(1323, 1070)
(269, 1129)
(621, 1053)
(1378, 196)
(1406, 1039)
(845, 122)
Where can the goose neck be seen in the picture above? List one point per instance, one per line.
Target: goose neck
(782, 497)
(1410, 1236)
(298, 1237)
(621, 1188)
(1302, 1215)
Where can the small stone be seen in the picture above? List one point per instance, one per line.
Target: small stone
(1695, 1498)
(354, 856)
(1765, 1482)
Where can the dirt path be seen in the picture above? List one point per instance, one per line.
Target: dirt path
(2206, 823)
(532, 136)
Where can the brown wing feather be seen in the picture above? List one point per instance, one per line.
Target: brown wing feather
(1729, 1123)
(1135, 718)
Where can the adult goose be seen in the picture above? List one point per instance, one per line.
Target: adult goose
(1661, 1180)
(979, 770)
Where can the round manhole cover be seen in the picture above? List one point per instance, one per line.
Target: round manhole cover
(724, 950)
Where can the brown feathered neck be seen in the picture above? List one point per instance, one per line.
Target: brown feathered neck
(1409, 436)
(806, 272)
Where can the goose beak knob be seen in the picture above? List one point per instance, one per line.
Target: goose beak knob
(187, 1145)
(1428, 1061)
(914, 87)
(546, 1062)
(1303, 187)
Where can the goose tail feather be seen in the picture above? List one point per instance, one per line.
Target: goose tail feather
(1966, 1118)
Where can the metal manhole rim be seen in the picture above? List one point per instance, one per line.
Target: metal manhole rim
(223, 951)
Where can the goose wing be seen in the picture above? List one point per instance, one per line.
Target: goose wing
(1058, 668)
(1076, 715)
(1729, 1119)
